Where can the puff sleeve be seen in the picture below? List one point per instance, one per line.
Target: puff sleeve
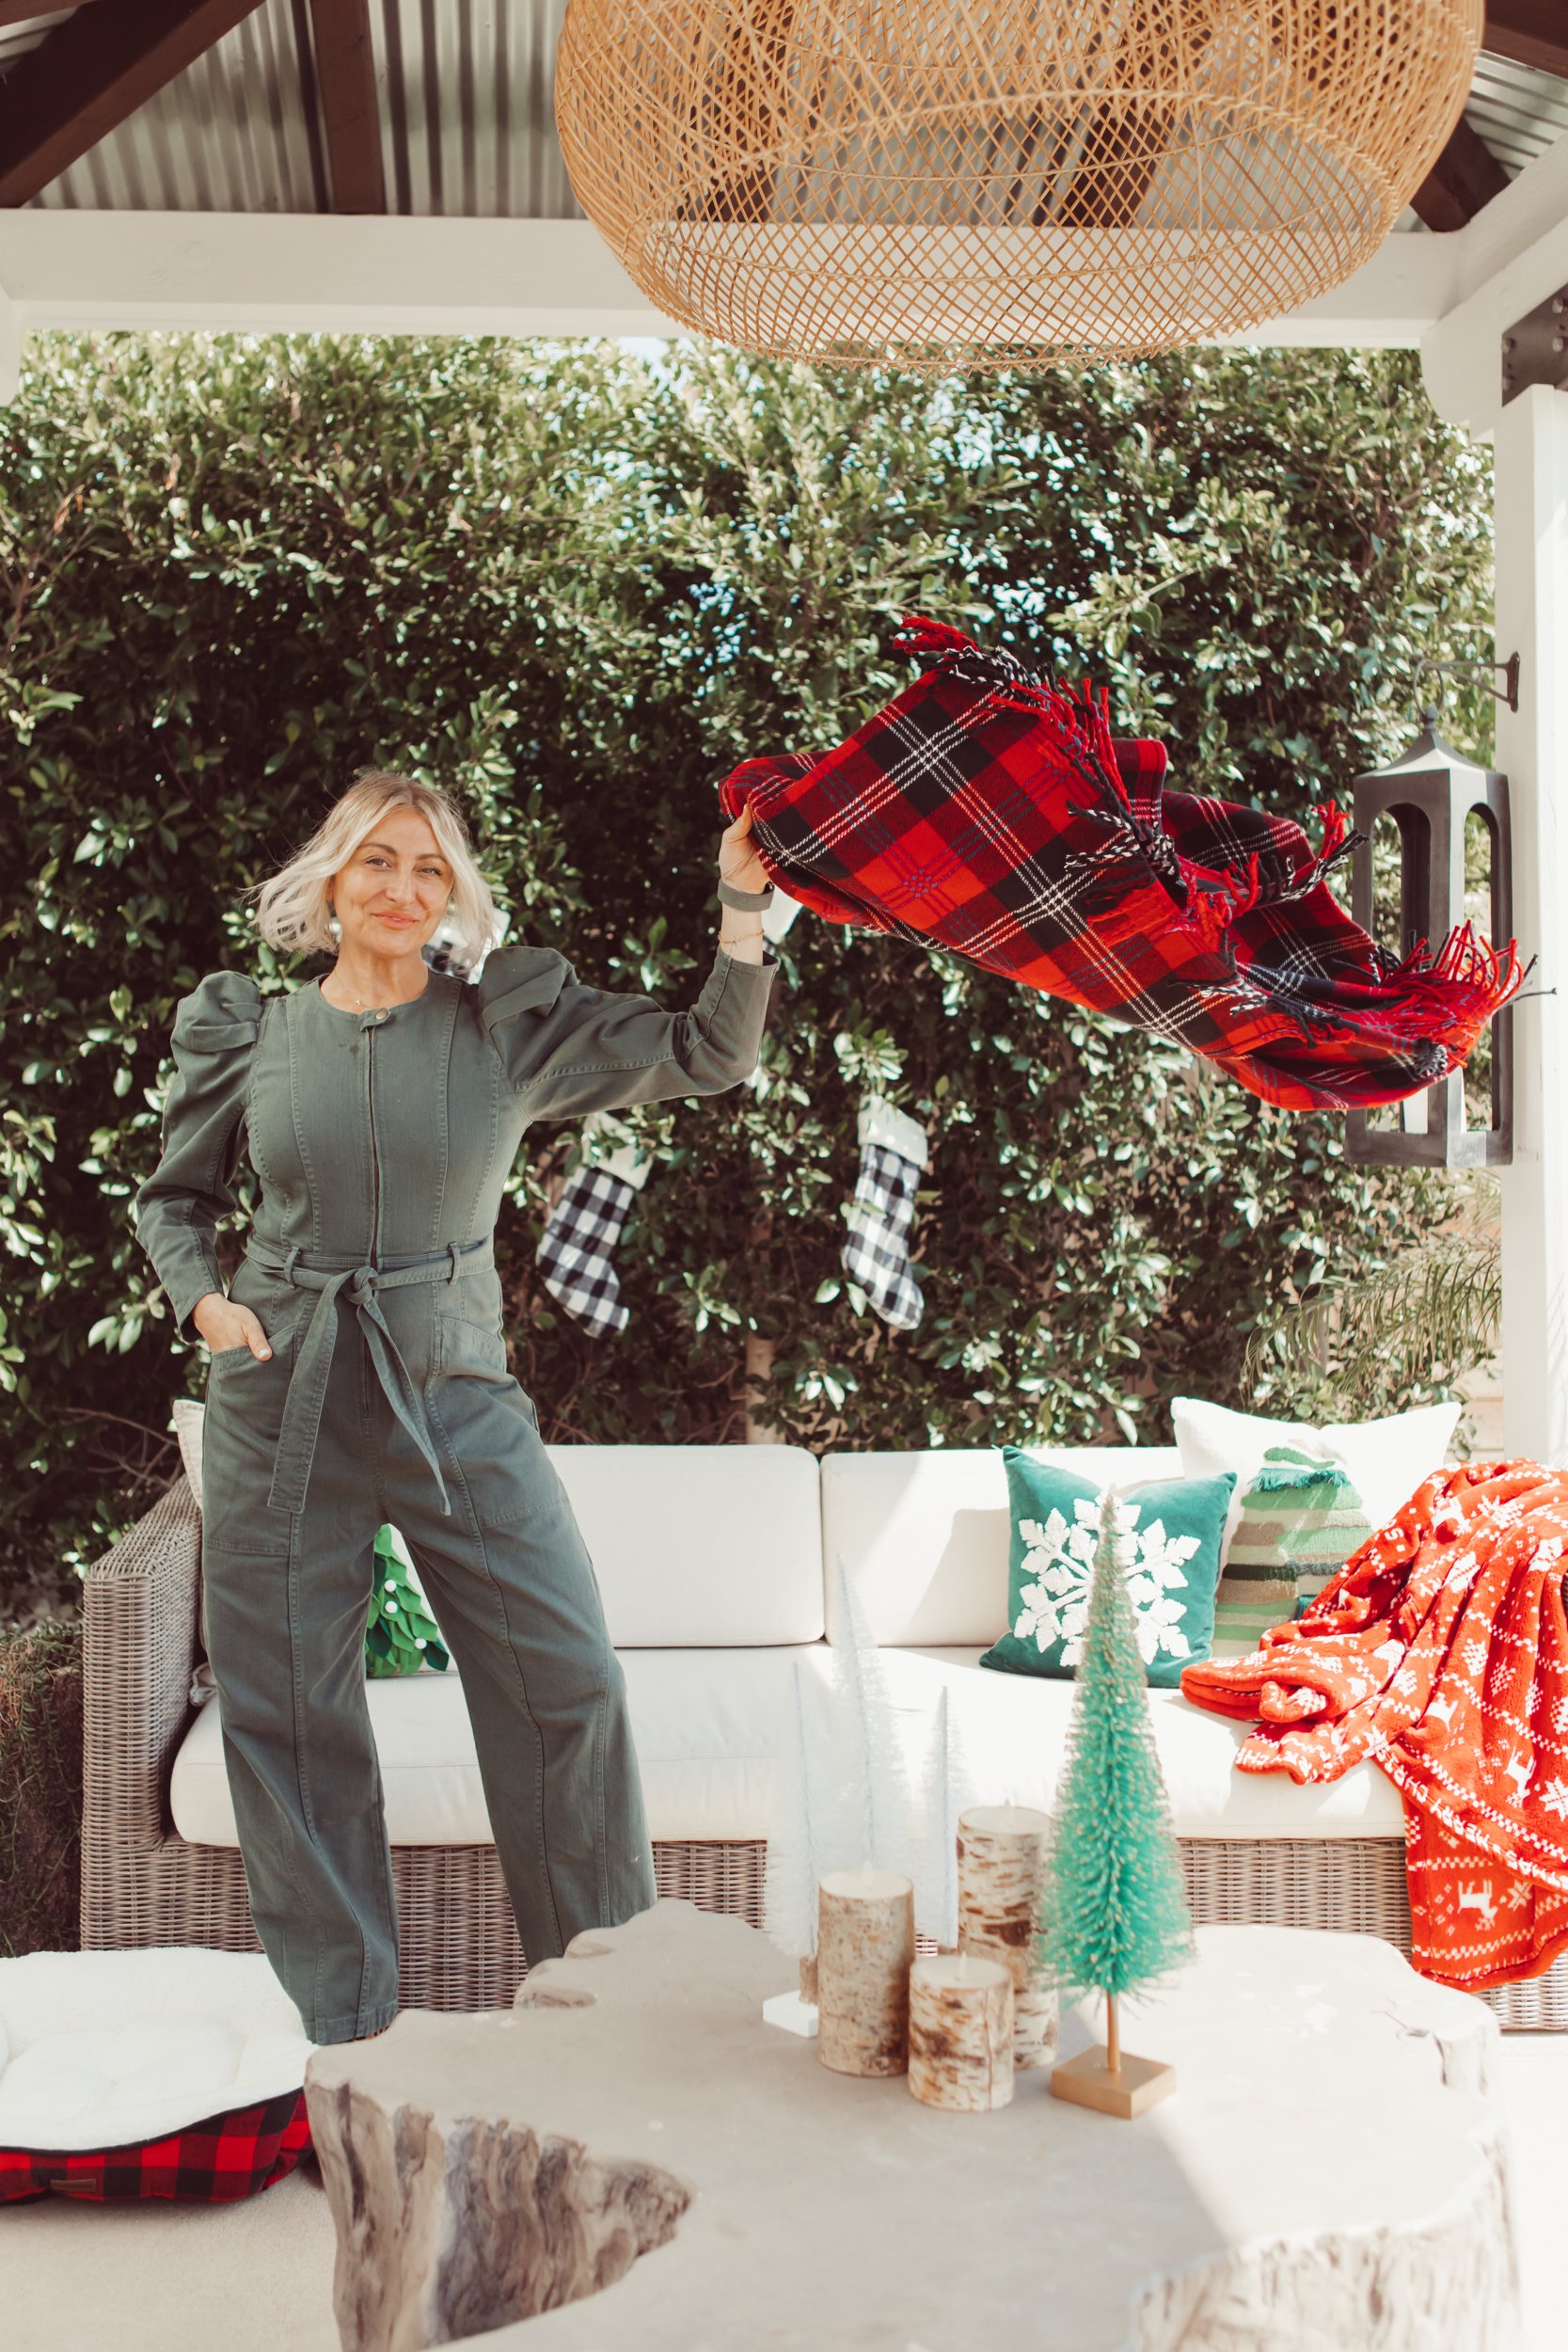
(568, 1048)
(176, 1211)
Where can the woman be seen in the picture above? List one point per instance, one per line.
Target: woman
(359, 1371)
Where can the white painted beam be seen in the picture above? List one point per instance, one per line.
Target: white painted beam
(1531, 614)
(1513, 255)
(346, 274)
(379, 276)
(1392, 300)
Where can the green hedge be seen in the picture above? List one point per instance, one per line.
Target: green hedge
(576, 583)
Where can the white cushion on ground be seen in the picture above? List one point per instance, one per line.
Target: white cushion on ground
(1386, 1459)
(699, 1546)
(100, 2049)
(709, 1733)
(924, 1536)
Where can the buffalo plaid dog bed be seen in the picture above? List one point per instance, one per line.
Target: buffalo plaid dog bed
(987, 811)
(148, 2074)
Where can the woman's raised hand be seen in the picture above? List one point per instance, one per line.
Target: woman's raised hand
(222, 1324)
(738, 863)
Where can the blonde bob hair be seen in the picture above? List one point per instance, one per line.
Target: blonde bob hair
(291, 911)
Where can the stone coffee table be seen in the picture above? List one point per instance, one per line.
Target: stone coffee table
(635, 2157)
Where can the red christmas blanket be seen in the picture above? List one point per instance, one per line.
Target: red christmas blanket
(1440, 1653)
(990, 812)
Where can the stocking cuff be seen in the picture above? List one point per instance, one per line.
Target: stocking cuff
(879, 1123)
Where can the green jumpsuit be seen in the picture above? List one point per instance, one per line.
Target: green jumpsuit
(382, 1140)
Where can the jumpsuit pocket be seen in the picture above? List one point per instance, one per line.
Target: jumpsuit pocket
(476, 1351)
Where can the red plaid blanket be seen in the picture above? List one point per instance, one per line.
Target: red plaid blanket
(1440, 1653)
(995, 815)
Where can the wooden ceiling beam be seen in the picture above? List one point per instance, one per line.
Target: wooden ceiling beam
(350, 108)
(1531, 32)
(80, 82)
(1466, 176)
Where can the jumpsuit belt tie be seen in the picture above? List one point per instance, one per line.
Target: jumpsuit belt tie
(306, 1391)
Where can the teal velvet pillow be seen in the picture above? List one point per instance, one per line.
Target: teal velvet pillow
(1172, 1528)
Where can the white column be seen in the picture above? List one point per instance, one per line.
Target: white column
(10, 349)
(1531, 457)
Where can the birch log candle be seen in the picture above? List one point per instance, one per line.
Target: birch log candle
(961, 2032)
(864, 1944)
(1001, 1879)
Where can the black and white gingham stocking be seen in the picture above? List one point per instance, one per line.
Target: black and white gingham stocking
(573, 1253)
(881, 1215)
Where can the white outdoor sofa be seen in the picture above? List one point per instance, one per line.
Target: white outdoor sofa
(721, 1569)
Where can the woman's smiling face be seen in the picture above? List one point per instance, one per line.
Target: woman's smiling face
(390, 897)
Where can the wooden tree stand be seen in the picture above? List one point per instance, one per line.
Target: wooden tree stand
(1110, 2079)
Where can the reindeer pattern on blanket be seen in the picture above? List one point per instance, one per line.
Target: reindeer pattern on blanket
(1440, 1653)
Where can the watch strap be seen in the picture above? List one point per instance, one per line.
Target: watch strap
(746, 902)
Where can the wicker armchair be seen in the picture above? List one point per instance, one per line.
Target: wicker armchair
(142, 1884)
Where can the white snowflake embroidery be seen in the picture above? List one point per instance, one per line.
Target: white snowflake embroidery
(1560, 1717)
(1554, 1796)
(1055, 1605)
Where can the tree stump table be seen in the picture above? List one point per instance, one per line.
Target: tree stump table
(632, 2161)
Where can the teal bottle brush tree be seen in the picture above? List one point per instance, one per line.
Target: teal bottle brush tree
(1114, 1913)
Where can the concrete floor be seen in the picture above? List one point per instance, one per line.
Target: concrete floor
(258, 2277)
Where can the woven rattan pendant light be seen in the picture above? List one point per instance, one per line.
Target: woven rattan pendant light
(982, 182)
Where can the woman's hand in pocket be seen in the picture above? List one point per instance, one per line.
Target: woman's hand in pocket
(225, 1326)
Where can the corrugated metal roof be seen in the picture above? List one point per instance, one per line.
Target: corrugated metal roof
(467, 125)
(466, 118)
(1519, 110)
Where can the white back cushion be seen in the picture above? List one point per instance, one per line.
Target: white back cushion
(923, 1537)
(700, 1546)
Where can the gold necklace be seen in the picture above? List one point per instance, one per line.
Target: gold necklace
(361, 1004)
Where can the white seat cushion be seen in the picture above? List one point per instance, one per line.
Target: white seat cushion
(923, 1537)
(1012, 1731)
(708, 1729)
(705, 1726)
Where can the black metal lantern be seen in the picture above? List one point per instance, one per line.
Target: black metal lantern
(1431, 793)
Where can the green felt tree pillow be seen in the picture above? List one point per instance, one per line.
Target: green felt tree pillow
(1171, 1530)
(401, 1635)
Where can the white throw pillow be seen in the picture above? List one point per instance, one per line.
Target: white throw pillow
(1386, 1459)
(188, 1411)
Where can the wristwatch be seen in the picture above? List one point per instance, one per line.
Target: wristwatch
(746, 902)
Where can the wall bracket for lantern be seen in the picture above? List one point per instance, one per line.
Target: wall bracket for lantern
(1431, 792)
(1507, 692)
(1535, 348)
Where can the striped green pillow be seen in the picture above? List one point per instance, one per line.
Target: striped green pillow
(1301, 1520)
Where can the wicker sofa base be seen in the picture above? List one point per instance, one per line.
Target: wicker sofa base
(142, 1884)
(459, 1943)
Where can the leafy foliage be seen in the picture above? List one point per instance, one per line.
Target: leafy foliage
(1435, 1311)
(1115, 1912)
(576, 583)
